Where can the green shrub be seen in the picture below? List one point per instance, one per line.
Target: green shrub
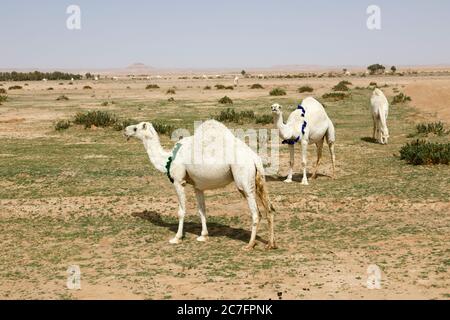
(230, 115)
(2, 91)
(62, 97)
(264, 119)
(226, 100)
(435, 127)
(62, 125)
(95, 118)
(372, 84)
(335, 96)
(170, 91)
(87, 88)
(3, 98)
(256, 86)
(341, 86)
(122, 124)
(422, 152)
(163, 127)
(152, 86)
(400, 98)
(305, 89)
(277, 92)
(15, 88)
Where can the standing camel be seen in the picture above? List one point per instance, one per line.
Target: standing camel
(379, 109)
(308, 124)
(212, 158)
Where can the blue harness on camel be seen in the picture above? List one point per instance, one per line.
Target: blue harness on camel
(304, 124)
(170, 160)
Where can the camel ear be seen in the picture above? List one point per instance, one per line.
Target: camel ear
(144, 126)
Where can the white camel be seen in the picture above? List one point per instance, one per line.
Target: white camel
(212, 158)
(236, 81)
(308, 124)
(380, 109)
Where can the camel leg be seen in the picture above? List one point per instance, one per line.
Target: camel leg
(199, 194)
(181, 212)
(291, 163)
(333, 158)
(244, 178)
(304, 160)
(374, 129)
(255, 220)
(319, 146)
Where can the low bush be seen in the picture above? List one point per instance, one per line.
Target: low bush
(400, 98)
(3, 98)
(230, 115)
(305, 89)
(87, 88)
(122, 124)
(50, 88)
(62, 98)
(2, 91)
(256, 86)
(163, 127)
(335, 96)
(341, 86)
(277, 92)
(170, 91)
(226, 100)
(436, 128)
(152, 86)
(171, 99)
(105, 103)
(207, 88)
(422, 152)
(264, 119)
(15, 88)
(95, 118)
(62, 125)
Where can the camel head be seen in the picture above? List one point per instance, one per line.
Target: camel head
(384, 134)
(141, 131)
(276, 109)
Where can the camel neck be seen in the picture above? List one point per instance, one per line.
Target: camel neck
(158, 156)
(281, 126)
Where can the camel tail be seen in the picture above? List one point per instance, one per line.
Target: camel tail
(261, 189)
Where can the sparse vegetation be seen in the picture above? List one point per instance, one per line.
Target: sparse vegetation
(376, 68)
(163, 127)
(277, 92)
(335, 96)
(170, 91)
(62, 125)
(95, 118)
(87, 88)
(15, 87)
(50, 88)
(2, 91)
(422, 152)
(62, 98)
(152, 86)
(105, 103)
(304, 89)
(37, 76)
(207, 88)
(171, 99)
(256, 86)
(122, 124)
(342, 86)
(436, 128)
(225, 100)
(3, 98)
(230, 115)
(264, 119)
(400, 98)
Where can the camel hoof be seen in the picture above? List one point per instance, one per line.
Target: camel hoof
(249, 247)
(288, 180)
(174, 241)
(271, 246)
(202, 238)
(305, 182)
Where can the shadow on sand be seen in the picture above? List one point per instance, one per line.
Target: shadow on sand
(214, 229)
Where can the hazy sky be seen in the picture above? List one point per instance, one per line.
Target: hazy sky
(225, 33)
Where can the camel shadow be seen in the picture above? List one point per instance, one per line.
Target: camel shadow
(214, 229)
(369, 140)
(297, 177)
